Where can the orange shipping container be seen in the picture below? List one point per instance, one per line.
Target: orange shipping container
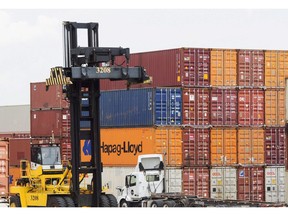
(223, 67)
(223, 146)
(275, 107)
(121, 146)
(276, 64)
(250, 146)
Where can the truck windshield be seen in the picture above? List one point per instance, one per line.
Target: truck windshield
(152, 178)
(51, 156)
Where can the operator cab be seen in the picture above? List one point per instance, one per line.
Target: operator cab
(48, 157)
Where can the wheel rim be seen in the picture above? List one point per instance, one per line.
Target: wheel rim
(124, 204)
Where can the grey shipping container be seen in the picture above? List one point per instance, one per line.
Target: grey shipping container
(275, 184)
(140, 107)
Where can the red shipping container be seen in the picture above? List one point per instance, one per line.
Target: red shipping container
(275, 146)
(251, 107)
(181, 67)
(196, 106)
(196, 181)
(14, 135)
(19, 149)
(42, 99)
(251, 183)
(4, 168)
(251, 68)
(44, 123)
(224, 104)
(196, 146)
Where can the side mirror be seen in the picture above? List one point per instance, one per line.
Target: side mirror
(127, 181)
(141, 168)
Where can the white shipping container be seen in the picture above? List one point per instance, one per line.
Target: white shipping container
(223, 183)
(173, 180)
(275, 184)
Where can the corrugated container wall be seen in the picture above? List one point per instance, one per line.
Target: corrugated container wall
(181, 67)
(196, 146)
(196, 181)
(251, 68)
(275, 184)
(276, 63)
(250, 183)
(4, 168)
(19, 149)
(223, 67)
(275, 146)
(223, 146)
(250, 146)
(42, 99)
(224, 105)
(251, 107)
(275, 107)
(196, 106)
(223, 183)
(173, 177)
(122, 146)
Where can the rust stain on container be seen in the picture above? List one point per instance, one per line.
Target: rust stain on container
(223, 67)
(251, 107)
(276, 64)
(251, 68)
(250, 146)
(196, 181)
(224, 105)
(251, 183)
(196, 106)
(19, 149)
(196, 146)
(42, 99)
(275, 107)
(223, 146)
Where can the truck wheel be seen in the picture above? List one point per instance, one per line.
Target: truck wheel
(157, 203)
(112, 200)
(169, 203)
(104, 201)
(124, 204)
(69, 201)
(56, 201)
(15, 201)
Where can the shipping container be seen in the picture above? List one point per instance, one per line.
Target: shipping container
(223, 146)
(181, 66)
(15, 135)
(14, 174)
(223, 183)
(168, 106)
(275, 146)
(196, 181)
(4, 168)
(47, 122)
(19, 149)
(173, 177)
(224, 105)
(223, 67)
(251, 146)
(251, 107)
(251, 68)
(40, 98)
(15, 119)
(276, 63)
(196, 106)
(275, 107)
(196, 146)
(275, 184)
(250, 183)
(122, 146)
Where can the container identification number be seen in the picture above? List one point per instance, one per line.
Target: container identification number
(103, 69)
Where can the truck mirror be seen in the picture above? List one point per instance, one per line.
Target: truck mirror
(161, 165)
(127, 181)
(141, 168)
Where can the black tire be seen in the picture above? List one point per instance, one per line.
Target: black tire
(15, 201)
(112, 200)
(69, 201)
(124, 204)
(157, 203)
(56, 201)
(104, 201)
(169, 203)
